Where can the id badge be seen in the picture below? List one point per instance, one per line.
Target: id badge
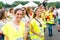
(42, 31)
(20, 38)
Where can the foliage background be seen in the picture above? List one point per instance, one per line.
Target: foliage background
(15, 3)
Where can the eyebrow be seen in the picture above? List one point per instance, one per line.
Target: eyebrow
(19, 14)
(22, 10)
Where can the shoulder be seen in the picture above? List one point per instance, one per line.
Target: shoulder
(22, 23)
(32, 21)
(7, 25)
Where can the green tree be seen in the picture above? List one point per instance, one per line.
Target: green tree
(19, 2)
(15, 3)
(23, 2)
(7, 5)
(1, 4)
(37, 2)
(58, 4)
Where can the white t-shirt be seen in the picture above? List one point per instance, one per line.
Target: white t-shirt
(55, 11)
(25, 19)
(59, 13)
(2, 24)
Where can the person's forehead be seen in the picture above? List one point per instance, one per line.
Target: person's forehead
(38, 9)
(19, 11)
(5, 12)
(23, 8)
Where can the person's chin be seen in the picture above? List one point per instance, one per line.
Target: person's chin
(18, 19)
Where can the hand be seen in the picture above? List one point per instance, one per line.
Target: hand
(27, 24)
(41, 35)
(1, 32)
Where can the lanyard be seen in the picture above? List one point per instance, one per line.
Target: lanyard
(38, 22)
(42, 31)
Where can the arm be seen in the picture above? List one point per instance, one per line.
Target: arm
(26, 30)
(5, 32)
(32, 30)
(5, 37)
(25, 34)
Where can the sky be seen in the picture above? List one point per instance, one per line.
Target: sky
(11, 1)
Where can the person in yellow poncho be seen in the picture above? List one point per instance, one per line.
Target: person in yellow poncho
(50, 21)
(15, 30)
(36, 29)
(10, 14)
(43, 14)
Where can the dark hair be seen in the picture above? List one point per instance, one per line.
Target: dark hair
(40, 4)
(27, 11)
(17, 10)
(24, 8)
(2, 14)
(10, 10)
(51, 9)
(35, 12)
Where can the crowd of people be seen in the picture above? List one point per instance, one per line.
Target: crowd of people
(27, 23)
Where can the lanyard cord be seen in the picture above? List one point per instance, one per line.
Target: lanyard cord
(39, 22)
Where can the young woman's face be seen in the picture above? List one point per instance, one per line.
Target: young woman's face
(24, 10)
(31, 10)
(5, 14)
(50, 9)
(41, 7)
(18, 15)
(38, 12)
(12, 11)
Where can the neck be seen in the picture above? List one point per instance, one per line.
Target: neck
(12, 13)
(24, 14)
(17, 22)
(3, 20)
(37, 17)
